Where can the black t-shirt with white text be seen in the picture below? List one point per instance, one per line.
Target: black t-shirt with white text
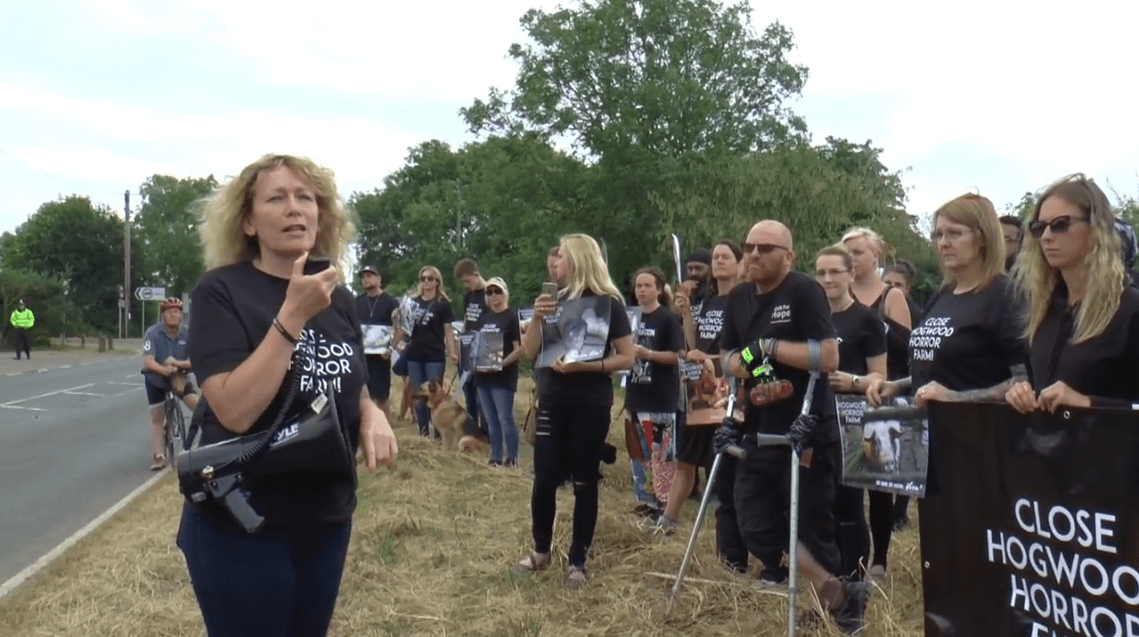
(376, 310)
(710, 323)
(795, 311)
(1105, 367)
(660, 331)
(860, 336)
(968, 341)
(234, 307)
(427, 335)
(588, 388)
(474, 304)
(505, 323)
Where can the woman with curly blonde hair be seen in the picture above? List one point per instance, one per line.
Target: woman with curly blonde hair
(1082, 319)
(262, 322)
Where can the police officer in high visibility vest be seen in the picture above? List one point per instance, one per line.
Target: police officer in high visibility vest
(22, 321)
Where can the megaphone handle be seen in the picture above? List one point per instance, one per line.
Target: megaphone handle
(236, 501)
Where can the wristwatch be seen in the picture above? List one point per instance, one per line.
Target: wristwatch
(854, 381)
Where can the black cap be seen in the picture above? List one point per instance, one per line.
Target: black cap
(370, 268)
(700, 255)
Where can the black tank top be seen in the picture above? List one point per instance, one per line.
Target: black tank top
(897, 340)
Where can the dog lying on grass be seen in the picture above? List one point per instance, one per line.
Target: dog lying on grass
(450, 419)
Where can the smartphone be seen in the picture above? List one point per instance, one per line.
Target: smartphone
(550, 290)
(316, 264)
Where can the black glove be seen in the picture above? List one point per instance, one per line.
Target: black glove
(801, 431)
(753, 357)
(728, 435)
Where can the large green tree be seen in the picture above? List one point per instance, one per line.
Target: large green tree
(502, 201)
(79, 243)
(166, 231)
(646, 91)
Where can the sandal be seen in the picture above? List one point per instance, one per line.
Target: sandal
(533, 563)
(575, 577)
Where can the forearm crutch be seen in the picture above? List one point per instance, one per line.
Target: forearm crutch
(735, 451)
(814, 359)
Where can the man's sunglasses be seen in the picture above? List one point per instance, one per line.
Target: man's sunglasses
(1059, 225)
(761, 248)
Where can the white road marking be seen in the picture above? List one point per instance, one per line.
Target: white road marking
(7, 406)
(83, 393)
(52, 555)
(12, 403)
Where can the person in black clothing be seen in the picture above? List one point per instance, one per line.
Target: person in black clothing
(861, 360)
(900, 274)
(653, 390)
(574, 400)
(1083, 316)
(769, 321)
(496, 371)
(702, 336)
(1013, 232)
(968, 346)
(430, 340)
(867, 250)
(474, 304)
(698, 268)
(253, 309)
(375, 308)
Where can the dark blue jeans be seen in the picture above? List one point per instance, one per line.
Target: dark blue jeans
(419, 372)
(498, 405)
(261, 585)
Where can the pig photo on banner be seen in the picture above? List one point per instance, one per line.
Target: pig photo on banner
(707, 394)
(578, 331)
(487, 351)
(888, 454)
(377, 339)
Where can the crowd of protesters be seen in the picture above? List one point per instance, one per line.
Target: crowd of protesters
(1041, 312)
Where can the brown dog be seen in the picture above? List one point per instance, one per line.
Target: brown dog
(451, 420)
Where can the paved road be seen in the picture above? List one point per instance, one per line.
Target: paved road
(73, 441)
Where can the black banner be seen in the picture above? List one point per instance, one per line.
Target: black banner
(1030, 524)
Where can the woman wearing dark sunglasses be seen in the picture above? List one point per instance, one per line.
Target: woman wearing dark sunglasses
(496, 371)
(1083, 317)
(431, 338)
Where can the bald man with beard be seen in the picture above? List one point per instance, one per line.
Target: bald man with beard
(771, 321)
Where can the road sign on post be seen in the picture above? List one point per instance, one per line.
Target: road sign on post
(150, 294)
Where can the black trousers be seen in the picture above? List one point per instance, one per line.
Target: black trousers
(22, 343)
(852, 536)
(763, 504)
(569, 441)
(729, 544)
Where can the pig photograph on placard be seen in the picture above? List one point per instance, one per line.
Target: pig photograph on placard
(883, 454)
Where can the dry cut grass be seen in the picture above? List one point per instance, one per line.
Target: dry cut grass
(431, 551)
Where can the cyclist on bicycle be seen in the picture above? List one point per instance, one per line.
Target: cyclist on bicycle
(166, 341)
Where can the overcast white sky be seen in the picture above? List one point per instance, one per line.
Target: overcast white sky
(97, 95)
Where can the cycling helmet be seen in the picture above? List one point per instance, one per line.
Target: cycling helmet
(171, 302)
